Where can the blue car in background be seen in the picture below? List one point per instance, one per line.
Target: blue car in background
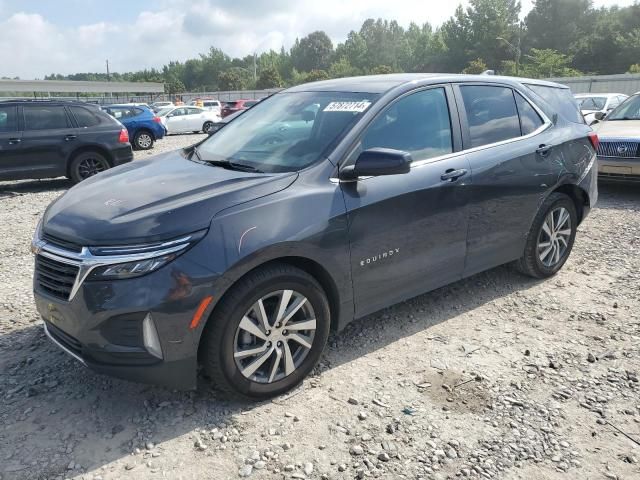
(143, 125)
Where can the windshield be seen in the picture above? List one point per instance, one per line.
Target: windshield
(628, 110)
(591, 103)
(287, 131)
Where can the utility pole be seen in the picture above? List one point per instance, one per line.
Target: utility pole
(255, 68)
(108, 76)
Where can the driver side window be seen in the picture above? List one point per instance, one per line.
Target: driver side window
(418, 123)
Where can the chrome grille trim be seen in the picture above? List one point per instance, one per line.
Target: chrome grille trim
(619, 148)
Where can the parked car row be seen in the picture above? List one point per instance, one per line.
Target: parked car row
(592, 103)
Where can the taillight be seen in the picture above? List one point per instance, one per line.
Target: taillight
(157, 119)
(124, 136)
(595, 141)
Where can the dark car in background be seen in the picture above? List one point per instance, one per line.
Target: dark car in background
(235, 106)
(324, 203)
(143, 125)
(48, 138)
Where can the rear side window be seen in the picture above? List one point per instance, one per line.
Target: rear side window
(250, 103)
(211, 104)
(8, 119)
(530, 121)
(44, 117)
(84, 117)
(561, 100)
(194, 111)
(125, 112)
(418, 123)
(491, 114)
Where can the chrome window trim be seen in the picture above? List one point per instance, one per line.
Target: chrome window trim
(546, 124)
(87, 262)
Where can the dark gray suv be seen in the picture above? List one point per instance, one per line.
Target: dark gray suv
(51, 138)
(323, 203)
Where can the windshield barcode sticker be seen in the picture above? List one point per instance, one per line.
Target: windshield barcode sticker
(347, 106)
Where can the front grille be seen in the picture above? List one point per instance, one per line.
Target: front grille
(55, 278)
(60, 243)
(64, 338)
(619, 177)
(621, 149)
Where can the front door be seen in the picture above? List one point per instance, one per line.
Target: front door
(177, 121)
(408, 232)
(47, 139)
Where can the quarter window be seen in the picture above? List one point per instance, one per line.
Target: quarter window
(8, 119)
(418, 123)
(85, 117)
(530, 121)
(44, 117)
(491, 114)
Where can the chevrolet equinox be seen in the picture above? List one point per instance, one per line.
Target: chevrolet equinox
(322, 204)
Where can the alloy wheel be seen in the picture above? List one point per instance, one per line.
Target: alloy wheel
(274, 336)
(144, 140)
(554, 237)
(91, 166)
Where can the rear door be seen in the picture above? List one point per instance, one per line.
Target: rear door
(408, 233)
(48, 138)
(12, 164)
(510, 147)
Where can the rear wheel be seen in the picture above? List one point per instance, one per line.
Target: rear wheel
(143, 140)
(551, 238)
(87, 164)
(267, 333)
(207, 126)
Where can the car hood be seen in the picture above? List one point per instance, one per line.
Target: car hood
(618, 129)
(154, 199)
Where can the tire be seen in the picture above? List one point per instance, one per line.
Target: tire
(206, 126)
(87, 164)
(544, 257)
(143, 140)
(224, 339)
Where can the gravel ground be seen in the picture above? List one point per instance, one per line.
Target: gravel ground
(495, 376)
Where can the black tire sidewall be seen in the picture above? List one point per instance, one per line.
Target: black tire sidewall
(225, 341)
(204, 126)
(567, 203)
(74, 174)
(137, 137)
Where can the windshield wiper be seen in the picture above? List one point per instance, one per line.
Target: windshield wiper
(233, 165)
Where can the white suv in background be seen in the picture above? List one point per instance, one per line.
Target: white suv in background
(590, 103)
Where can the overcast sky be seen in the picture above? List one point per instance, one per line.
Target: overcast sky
(38, 37)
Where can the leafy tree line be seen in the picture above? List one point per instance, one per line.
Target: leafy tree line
(556, 38)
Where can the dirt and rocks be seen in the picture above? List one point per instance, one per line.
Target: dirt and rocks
(495, 376)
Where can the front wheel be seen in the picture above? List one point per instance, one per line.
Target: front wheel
(551, 238)
(267, 333)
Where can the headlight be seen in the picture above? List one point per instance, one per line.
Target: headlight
(35, 241)
(130, 261)
(130, 269)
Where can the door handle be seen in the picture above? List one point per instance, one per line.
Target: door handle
(452, 175)
(68, 138)
(14, 141)
(543, 150)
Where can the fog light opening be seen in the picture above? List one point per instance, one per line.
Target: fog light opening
(150, 335)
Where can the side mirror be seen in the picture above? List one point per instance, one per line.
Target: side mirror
(599, 115)
(378, 161)
(308, 116)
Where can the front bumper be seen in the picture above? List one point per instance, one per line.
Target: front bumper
(619, 169)
(101, 325)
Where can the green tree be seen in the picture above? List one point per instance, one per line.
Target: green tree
(475, 67)
(635, 68)
(342, 68)
(381, 70)
(232, 79)
(547, 63)
(557, 24)
(269, 78)
(312, 52)
(316, 75)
